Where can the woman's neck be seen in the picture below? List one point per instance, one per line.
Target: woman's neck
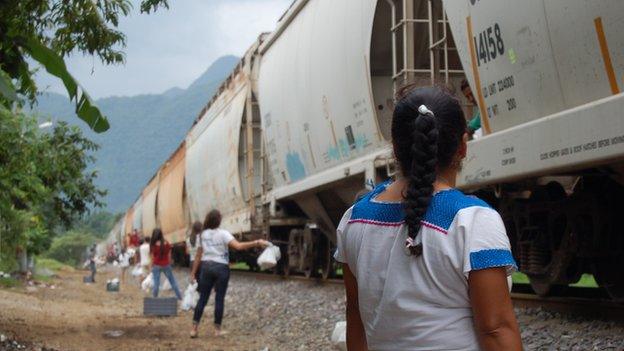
(445, 180)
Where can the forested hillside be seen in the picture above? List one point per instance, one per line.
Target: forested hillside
(145, 130)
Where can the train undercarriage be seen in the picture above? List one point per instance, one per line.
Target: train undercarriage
(562, 227)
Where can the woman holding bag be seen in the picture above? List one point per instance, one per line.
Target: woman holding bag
(213, 258)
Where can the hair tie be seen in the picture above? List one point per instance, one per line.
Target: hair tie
(424, 110)
(411, 248)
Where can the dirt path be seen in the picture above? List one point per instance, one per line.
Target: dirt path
(76, 316)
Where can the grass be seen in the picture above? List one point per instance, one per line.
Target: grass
(8, 282)
(519, 278)
(586, 281)
(240, 266)
(53, 265)
(42, 278)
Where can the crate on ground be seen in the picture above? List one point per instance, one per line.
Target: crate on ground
(160, 306)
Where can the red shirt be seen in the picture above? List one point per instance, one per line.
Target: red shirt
(157, 258)
(134, 240)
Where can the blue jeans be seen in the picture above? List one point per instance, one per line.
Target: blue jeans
(215, 275)
(169, 274)
(93, 270)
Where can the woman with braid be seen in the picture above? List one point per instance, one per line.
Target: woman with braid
(425, 266)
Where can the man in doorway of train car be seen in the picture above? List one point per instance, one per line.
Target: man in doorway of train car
(475, 122)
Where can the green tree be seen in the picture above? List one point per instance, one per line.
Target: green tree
(99, 223)
(47, 31)
(44, 182)
(71, 247)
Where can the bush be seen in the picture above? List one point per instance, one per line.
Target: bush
(71, 247)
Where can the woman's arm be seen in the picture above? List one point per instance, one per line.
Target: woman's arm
(494, 318)
(196, 262)
(241, 246)
(356, 337)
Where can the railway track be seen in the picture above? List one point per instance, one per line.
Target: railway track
(589, 303)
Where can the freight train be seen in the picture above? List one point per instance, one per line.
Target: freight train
(302, 126)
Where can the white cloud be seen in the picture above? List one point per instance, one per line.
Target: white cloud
(173, 47)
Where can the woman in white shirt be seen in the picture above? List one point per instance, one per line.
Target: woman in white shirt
(124, 262)
(145, 259)
(425, 266)
(213, 257)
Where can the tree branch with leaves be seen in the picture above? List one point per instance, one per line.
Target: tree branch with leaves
(49, 30)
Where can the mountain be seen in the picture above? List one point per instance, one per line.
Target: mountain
(145, 130)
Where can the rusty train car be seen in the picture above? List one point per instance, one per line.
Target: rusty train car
(302, 126)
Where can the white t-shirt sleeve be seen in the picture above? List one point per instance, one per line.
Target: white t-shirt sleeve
(226, 237)
(340, 254)
(486, 244)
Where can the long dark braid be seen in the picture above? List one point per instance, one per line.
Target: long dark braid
(427, 128)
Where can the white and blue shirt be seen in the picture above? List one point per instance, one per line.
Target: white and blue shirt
(420, 303)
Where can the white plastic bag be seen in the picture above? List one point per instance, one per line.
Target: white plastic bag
(137, 271)
(148, 283)
(339, 336)
(164, 283)
(190, 297)
(269, 257)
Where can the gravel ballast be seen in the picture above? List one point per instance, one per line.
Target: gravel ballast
(296, 315)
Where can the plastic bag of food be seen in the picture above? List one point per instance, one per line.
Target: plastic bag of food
(269, 257)
(148, 282)
(339, 336)
(190, 297)
(137, 271)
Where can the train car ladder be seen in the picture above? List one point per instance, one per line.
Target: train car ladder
(436, 41)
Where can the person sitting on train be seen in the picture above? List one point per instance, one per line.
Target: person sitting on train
(213, 257)
(425, 266)
(474, 124)
(160, 250)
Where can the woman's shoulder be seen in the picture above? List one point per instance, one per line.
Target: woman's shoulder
(447, 205)
(369, 210)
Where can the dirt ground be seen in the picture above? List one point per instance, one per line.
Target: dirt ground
(77, 316)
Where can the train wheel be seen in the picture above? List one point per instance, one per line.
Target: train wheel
(309, 262)
(544, 287)
(326, 260)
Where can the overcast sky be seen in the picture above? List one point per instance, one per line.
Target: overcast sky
(173, 47)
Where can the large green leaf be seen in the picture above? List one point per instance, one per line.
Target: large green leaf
(6, 87)
(55, 65)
